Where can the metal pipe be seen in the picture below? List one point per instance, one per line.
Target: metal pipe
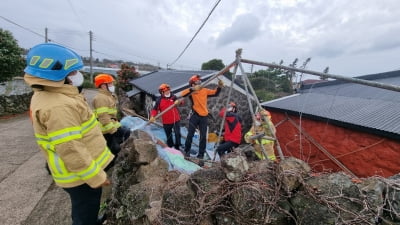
(323, 75)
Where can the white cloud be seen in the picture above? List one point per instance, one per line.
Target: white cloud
(340, 34)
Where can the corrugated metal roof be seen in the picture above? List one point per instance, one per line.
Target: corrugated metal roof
(349, 103)
(177, 79)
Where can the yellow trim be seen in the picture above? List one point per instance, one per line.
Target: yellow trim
(46, 63)
(35, 59)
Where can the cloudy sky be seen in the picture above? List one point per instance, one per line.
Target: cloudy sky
(352, 37)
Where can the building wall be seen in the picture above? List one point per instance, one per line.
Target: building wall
(364, 154)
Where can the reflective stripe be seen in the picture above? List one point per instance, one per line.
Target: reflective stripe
(263, 141)
(59, 171)
(105, 110)
(57, 165)
(110, 126)
(66, 134)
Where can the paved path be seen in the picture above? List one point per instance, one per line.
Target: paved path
(25, 185)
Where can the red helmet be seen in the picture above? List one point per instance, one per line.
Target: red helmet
(163, 88)
(194, 79)
(103, 79)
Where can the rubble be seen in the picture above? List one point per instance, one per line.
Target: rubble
(241, 191)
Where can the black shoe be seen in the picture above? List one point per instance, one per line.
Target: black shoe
(199, 156)
(187, 153)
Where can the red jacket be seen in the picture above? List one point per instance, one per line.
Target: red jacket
(233, 126)
(162, 103)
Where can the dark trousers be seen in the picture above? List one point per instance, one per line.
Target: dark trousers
(201, 122)
(226, 147)
(85, 203)
(177, 130)
(114, 140)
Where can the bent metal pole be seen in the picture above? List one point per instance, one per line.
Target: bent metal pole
(323, 75)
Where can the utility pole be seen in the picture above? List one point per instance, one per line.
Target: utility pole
(91, 58)
(46, 39)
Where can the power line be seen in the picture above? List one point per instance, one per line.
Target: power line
(16, 24)
(187, 46)
(38, 34)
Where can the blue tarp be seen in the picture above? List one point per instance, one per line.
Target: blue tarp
(173, 157)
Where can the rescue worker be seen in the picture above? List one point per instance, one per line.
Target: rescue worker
(262, 121)
(233, 130)
(66, 130)
(170, 119)
(199, 117)
(105, 108)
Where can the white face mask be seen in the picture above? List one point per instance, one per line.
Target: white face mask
(77, 79)
(111, 89)
(167, 95)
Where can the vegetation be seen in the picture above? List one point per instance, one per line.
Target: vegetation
(214, 64)
(124, 75)
(11, 61)
(270, 83)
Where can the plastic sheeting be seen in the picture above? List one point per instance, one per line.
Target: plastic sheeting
(173, 157)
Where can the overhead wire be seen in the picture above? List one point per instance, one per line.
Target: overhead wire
(194, 36)
(25, 28)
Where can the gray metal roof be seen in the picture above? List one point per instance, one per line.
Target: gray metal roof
(348, 104)
(177, 79)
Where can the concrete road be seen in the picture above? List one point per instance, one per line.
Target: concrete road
(27, 193)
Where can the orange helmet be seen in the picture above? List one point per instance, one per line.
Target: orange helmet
(194, 79)
(102, 79)
(262, 113)
(164, 87)
(266, 113)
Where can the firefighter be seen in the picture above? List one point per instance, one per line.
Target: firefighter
(261, 126)
(233, 130)
(199, 117)
(105, 108)
(170, 119)
(66, 130)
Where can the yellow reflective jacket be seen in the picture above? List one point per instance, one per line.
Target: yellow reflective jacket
(260, 129)
(69, 135)
(105, 108)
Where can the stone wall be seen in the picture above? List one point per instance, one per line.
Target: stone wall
(15, 97)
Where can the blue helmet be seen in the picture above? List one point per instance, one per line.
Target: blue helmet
(52, 62)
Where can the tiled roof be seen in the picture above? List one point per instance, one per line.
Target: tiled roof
(177, 79)
(349, 104)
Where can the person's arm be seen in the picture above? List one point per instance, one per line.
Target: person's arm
(156, 107)
(184, 93)
(213, 93)
(247, 136)
(101, 108)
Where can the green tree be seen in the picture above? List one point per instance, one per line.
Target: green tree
(126, 74)
(11, 61)
(214, 64)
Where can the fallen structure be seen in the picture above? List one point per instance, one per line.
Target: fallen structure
(240, 191)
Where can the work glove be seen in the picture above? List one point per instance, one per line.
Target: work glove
(152, 119)
(197, 87)
(177, 102)
(220, 83)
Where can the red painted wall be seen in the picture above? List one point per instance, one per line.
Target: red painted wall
(364, 154)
